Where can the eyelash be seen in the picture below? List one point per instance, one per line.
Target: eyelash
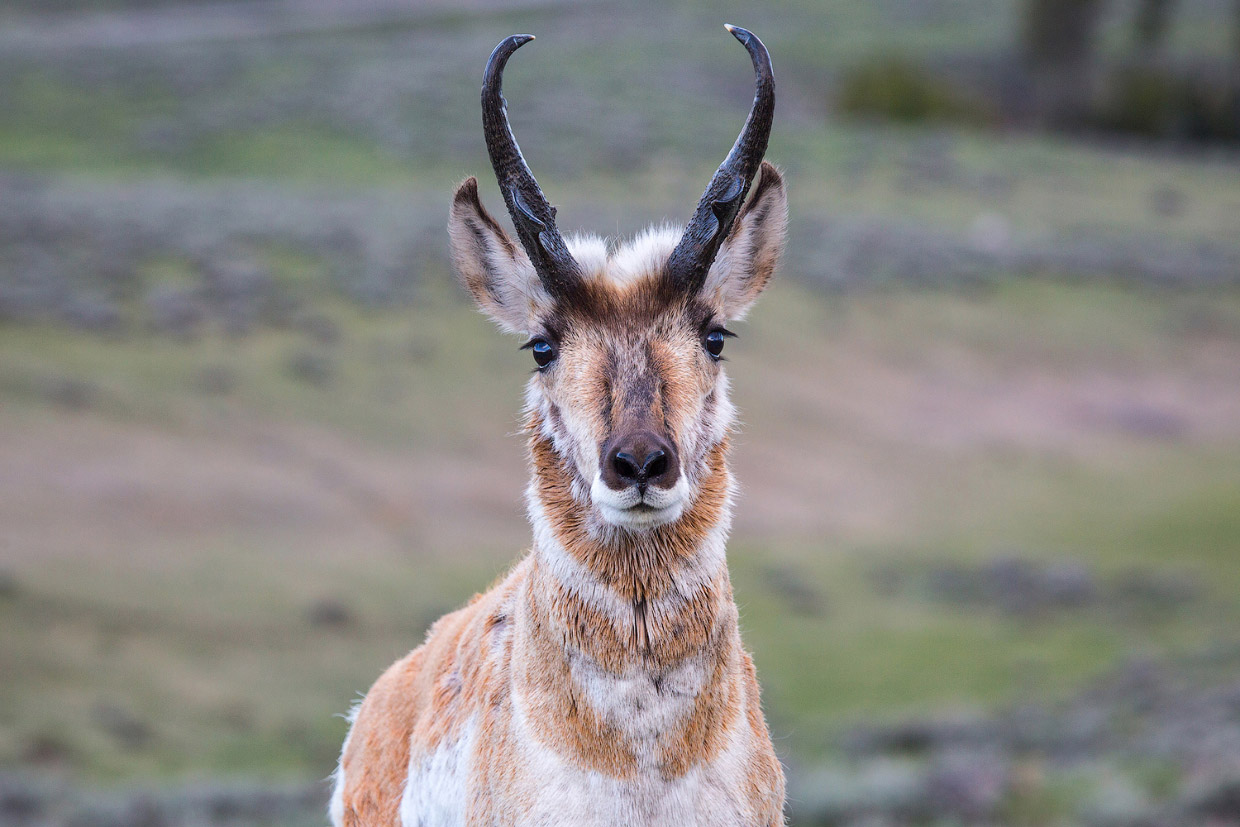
(551, 352)
(707, 343)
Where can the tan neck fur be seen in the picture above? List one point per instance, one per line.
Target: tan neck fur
(623, 598)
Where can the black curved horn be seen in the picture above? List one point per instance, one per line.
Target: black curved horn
(715, 213)
(533, 217)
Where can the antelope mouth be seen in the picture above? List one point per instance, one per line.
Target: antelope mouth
(639, 507)
(642, 515)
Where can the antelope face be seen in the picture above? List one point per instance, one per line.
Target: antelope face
(627, 341)
(632, 398)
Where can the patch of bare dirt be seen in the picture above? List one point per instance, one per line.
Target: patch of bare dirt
(74, 486)
(852, 443)
(854, 448)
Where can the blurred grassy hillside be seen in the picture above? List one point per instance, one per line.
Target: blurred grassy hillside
(253, 440)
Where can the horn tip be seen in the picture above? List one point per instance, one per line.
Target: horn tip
(740, 34)
(501, 53)
(513, 42)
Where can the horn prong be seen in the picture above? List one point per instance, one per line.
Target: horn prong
(532, 215)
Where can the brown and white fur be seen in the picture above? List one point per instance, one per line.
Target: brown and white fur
(603, 680)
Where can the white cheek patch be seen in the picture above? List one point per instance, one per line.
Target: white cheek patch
(725, 412)
(582, 444)
(710, 428)
(573, 438)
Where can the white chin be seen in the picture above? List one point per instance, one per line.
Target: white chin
(626, 509)
(640, 516)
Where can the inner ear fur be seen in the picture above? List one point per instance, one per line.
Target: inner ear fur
(749, 256)
(491, 266)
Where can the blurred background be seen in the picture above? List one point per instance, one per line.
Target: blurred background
(253, 440)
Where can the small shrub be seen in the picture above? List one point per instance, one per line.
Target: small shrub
(319, 328)
(8, 585)
(1141, 102)
(329, 612)
(175, 311)
(70, 393)
(126, 729)
(216, 380)
(310, 367)
(1154, 102)
(895, 90)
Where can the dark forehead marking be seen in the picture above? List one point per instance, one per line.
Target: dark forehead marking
(645, 303)
(641, 389)
(610, 373)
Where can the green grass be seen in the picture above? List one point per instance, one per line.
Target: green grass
(166, 538)
(299, 153)
(200, 630)
(632, 118)
(393, 376)
(875, 654)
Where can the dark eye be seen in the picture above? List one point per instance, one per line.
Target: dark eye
(544, 352)
(713, 342)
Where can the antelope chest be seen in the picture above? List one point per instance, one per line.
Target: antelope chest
(545, 787)
(563, 794)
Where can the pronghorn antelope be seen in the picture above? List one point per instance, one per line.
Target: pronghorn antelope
(603, 680)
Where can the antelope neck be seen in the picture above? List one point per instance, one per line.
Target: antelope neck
(624, 598)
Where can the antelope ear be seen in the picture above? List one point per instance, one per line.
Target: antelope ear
(495, 270)
(748, 257)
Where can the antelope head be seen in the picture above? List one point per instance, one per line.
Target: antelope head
(627, 339)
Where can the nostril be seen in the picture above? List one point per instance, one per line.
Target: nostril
(639, 459)
(655, 465)
(626, 466)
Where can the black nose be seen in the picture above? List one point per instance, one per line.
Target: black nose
(640, 459)
(629, 468)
